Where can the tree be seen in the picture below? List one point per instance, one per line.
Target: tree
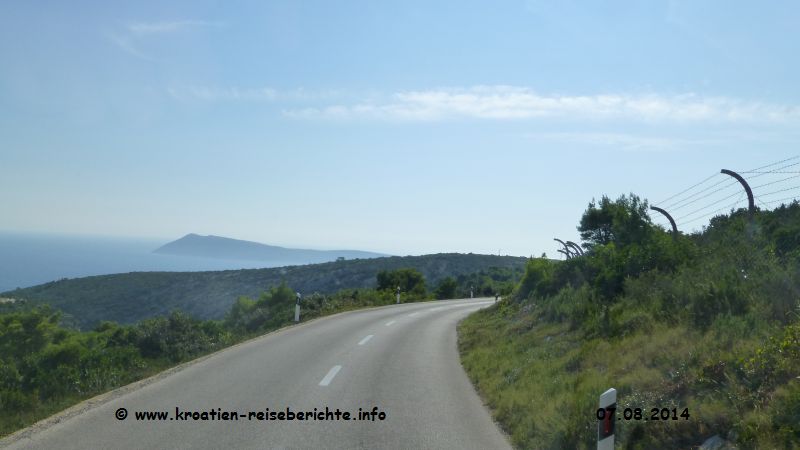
(446, 289)
(624, 243)
(277, 295)
(239, 314)
(538, 278)
(410, 281)
(623, 221)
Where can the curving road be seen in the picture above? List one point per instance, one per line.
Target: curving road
(401, 359)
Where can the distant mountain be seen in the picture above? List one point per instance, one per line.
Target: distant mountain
(234, 249)
(130, 297)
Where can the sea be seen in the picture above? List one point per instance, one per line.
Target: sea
(28, 259)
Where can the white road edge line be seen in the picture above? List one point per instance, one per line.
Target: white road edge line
(438, 308)
(389, 323)
(413, 314)
(365, 340)
(329, 377)
(461, 305)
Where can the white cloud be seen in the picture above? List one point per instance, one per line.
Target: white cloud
(626, 141)
(222, 94)
(134, 35)
(216, 94)
(126, 44)
(517, 103)
(143, 28)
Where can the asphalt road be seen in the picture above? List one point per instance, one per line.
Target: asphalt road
(401, 359)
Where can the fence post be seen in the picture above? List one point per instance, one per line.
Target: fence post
(751, 206)
(671, 220)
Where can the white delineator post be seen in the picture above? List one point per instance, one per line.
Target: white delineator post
(471, 289)
(398, 295)
(297, 309)
(605, 427)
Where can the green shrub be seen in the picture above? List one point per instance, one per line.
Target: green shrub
(410, 281)
(708, 321)
(446, 289)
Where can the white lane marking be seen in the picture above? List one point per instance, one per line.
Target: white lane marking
(365, 340)
(329, 377)
(413, 314)
(437, 308)
(389, 323)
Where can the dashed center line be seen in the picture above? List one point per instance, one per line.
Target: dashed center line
(329, 377)
(413, 314)
(365, 340)
(438, 308)
(389, 323)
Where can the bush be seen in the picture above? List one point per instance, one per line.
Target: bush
(446, 289)
(410, 281)
(707, 321)
(538, 278)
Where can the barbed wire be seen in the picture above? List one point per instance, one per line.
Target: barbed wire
(774, 182)
(773, 164)
(703, 190)
(779, 191)
(794, 197)
(758, 198)
(697, 193)
(758, 171)
(714, 213)
(727, 186)
(761, 174)
(711, 205)
(689, 188)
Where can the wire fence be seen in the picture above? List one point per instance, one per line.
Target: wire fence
(715, 191)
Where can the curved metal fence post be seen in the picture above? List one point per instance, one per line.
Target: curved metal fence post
(577, 248)
(751, 201)
(566, 251)
(671, 221)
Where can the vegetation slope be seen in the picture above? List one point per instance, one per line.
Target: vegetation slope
(131, 297)
(706, 323)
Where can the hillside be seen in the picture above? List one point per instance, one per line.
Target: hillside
(130, 297)
(706, 325)
(234, 249)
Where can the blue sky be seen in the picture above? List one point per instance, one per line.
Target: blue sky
(401, 127)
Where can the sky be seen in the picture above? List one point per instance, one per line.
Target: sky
(404, 127)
